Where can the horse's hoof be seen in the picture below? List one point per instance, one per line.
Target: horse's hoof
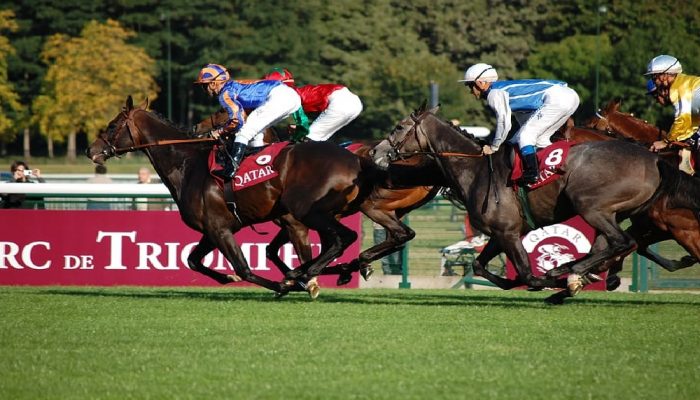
(574, 283)
(612, 283)
(343, 279)
(234, 278)
(591, 278)
(367, 272)
(313, 289)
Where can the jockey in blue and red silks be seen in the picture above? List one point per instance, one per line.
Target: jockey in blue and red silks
(268, 102)
(540, 106)
(337, 105)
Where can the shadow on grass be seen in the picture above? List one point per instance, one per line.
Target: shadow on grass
(428, 298)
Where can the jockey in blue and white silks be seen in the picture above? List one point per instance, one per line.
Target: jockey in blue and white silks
(540, 106)
(265, 102)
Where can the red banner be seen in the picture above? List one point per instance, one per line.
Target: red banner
(143, 248)
(554, 245)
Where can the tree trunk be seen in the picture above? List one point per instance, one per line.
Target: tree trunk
(49, 146)
(26, 145)
(71, 150)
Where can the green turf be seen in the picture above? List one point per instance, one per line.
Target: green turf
(117, 343)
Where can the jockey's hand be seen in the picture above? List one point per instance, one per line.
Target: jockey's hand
(487, 150)
(216, 133)
(658, 145)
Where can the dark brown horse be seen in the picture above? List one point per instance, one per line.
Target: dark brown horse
(592, 185)
(316, 182)
(386, 205)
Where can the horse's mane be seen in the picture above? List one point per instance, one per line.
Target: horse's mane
(161, 118)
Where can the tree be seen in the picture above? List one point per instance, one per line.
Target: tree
(10, 106)
(88, 79)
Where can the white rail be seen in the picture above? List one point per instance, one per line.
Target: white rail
(87, 189)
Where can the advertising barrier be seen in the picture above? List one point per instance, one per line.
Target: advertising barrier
(138, 248)
(554, 245)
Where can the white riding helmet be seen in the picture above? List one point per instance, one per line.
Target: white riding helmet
(664, 64)
(482, 72)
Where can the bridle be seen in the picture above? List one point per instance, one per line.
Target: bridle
(130, 126)
(424, 145)
(418, 132)
(611, 132)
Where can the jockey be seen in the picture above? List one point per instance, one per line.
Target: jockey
(683, 92)
(269, 101)
(337, 106)
(540, 106)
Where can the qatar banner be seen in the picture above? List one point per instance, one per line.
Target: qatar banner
(137, 248)
(554, 245)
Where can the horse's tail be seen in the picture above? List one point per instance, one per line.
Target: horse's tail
(682, 190)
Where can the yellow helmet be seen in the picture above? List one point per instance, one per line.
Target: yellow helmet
(212, 73)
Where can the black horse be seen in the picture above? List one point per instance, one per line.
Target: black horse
(604, 182)
(317, 181)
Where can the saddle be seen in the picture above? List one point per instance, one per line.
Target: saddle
(256, 167)
(549, 160)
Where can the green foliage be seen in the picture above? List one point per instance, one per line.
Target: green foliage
(88, 79)
(10, 106)
(387, 51)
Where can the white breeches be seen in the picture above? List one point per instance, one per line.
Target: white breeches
(281, 103)
(560, 102)
(343, 107)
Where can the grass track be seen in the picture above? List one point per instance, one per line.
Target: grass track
(66, 342)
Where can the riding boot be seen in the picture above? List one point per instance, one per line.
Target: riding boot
(232, 157)
(530, 171)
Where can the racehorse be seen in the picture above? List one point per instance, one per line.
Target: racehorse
(663, 223)
(316, 182)
(592, 185)
(616, 123)
(384, 205)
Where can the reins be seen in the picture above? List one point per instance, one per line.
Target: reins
(161, 143)
(129, 121)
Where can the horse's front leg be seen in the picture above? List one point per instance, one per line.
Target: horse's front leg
(397, 235)
(194, 261)
(490, 251)
(222, 238)
(516, 253)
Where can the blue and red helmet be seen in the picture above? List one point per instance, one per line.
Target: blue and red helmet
(280, 74)
(212, 73)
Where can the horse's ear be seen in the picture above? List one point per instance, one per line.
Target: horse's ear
(144, 105)
(616, 103)
(422, 107)
(434, 110)
(129, 103)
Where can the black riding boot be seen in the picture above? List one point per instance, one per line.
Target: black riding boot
(530, 171)
(233, 154)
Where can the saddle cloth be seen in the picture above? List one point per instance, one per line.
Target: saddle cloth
(549, 160)
(255, 168)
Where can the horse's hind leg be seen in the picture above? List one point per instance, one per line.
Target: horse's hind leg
(194, 261)
(335, 238)
(619, 244)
